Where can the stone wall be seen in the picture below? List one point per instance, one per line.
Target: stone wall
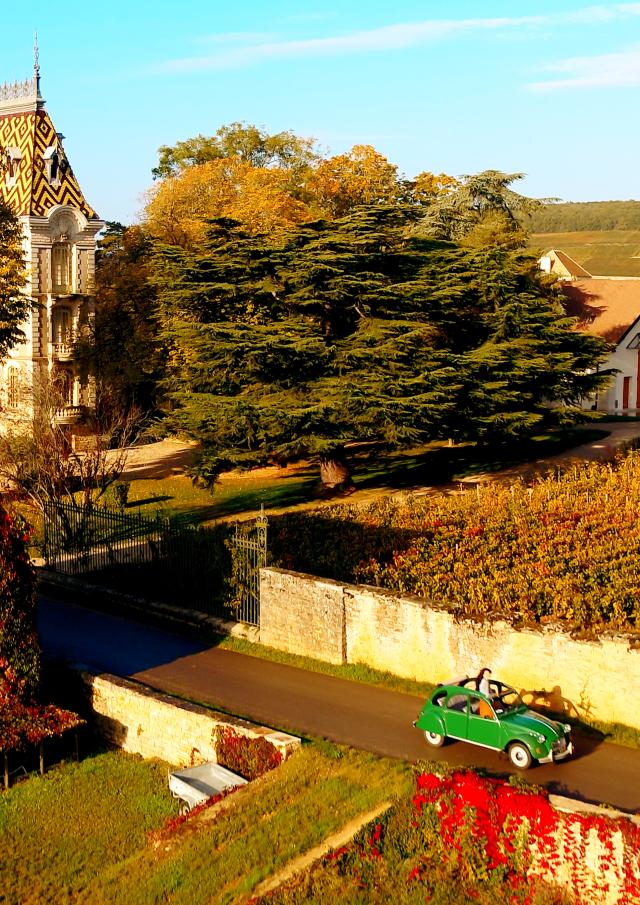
(343, 623)
(147, 722)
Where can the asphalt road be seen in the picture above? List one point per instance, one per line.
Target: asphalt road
(307, 703)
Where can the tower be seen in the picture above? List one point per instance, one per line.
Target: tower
(59, 239)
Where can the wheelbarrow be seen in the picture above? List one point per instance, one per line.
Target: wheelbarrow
(193, 785)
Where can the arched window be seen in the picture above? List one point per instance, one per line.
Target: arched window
(61, 325)
(13, 388)
(61, 276)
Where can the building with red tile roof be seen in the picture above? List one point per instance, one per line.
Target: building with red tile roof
(608, 307)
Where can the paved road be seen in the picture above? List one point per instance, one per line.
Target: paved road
(307, 703)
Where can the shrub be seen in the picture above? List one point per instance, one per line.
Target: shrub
(249, 757)
(19, 647)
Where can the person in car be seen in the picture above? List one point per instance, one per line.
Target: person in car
(482, 684)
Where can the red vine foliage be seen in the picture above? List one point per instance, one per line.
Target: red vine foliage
(247, 756)
(23, 721)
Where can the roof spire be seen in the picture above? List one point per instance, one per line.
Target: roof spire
(36, 64)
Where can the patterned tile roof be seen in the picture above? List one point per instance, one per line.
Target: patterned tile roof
(28, 135)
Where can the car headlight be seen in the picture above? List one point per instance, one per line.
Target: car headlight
(566, 727)
(540, 737)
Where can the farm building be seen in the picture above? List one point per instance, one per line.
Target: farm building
(609, 307)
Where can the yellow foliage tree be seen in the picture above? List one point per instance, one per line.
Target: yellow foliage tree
(361, 176)
(178, 208)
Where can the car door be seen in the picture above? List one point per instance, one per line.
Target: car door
(483, 729)
(455, 715)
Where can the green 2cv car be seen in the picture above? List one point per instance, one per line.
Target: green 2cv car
(500, 721)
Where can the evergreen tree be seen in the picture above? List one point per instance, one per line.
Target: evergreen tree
(359, 330)
(14, 306)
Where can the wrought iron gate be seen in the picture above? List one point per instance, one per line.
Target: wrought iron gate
(249, 555)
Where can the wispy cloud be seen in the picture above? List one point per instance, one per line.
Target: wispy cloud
(619, 70)
(256, 48)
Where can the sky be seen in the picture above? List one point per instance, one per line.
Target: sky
(548, 88)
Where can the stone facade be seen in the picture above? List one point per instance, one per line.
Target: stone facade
(59, 230)
(143, 721)
(340, 623)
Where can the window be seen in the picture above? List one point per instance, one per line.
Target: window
(62, 326)
(13, 388)
(457, 702)
(61, 280)
(12, 165)
(53, 163)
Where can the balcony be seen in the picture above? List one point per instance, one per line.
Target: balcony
(69, 414)
(63, 351)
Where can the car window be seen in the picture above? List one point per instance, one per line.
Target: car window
(439, 698)
(457, 702)
(474, 703)
(509, 700)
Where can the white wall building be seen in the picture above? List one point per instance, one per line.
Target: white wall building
(609, 307)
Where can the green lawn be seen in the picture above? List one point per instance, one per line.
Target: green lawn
(79, 834)
(279, 489)
(613, 252)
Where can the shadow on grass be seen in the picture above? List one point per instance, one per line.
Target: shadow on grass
(136, 504)
(444, 464)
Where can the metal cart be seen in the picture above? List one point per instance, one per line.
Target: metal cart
(193, 785)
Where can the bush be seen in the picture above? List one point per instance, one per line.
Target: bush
(249, 757)
(19, 647)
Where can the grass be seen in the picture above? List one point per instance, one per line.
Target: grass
(78, 821)
(79, 834)
(613, 252)
(288, 488)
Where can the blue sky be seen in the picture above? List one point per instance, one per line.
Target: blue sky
(549, 88)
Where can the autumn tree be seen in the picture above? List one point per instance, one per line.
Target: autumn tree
(14, 305)
(247, 143)
(179, 207)
(358, 330)
(271, 182)
(37, 460)
(362, 176)
(122, 347)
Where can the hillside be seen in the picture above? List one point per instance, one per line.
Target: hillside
(614, 252)
(585, 216)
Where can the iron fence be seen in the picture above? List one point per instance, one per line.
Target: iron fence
(209, 569)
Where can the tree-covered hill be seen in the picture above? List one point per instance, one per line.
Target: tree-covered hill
(584, 216)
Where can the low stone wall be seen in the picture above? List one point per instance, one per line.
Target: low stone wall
(144, 721)
(343, 623)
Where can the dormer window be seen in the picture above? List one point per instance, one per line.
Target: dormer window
(53, 159)
(13, 156)
(61, 272)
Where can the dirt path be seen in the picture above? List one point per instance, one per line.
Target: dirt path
(337, 840)
(168, 458)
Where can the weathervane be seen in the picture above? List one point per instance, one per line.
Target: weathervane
(36, 63)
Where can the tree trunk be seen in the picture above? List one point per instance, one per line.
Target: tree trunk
(335, 473)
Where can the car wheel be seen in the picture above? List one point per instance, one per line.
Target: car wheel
(520, 756)
(433, 739)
